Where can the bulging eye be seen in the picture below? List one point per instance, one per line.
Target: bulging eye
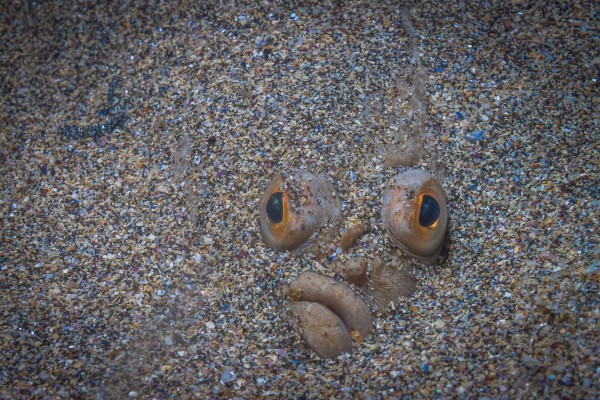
(295, 208)
(415, 215)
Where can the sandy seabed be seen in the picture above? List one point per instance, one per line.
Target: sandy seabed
(137, 139)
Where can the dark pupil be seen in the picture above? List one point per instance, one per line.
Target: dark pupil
(275, 207)
(429, 212)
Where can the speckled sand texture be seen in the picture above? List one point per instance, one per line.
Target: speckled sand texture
(137, 140)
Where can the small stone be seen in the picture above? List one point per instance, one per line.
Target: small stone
(72, 285)
(227, 376)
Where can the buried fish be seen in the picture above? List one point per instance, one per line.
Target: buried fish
(300, 212)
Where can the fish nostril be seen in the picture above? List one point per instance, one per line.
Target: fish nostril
(351, 236)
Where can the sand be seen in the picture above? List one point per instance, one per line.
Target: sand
(137, 141)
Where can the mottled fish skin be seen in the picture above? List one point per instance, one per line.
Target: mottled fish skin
(381, 283)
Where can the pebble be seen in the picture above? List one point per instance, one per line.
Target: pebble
(228, 376)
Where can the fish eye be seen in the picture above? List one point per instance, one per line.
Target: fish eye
(414, 214)
(295, 207)
(429, 212)
(274, 207)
